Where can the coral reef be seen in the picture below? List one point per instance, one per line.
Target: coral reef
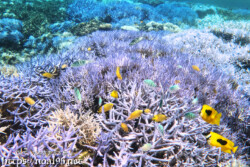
(11, 33)
(174, 141)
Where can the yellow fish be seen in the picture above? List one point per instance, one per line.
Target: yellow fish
(29, 100)
(47, 75)
(177, 81)
(106, 107)
(147, 110)
(64, 66)
(225, 144)
(135, 114)
(124, 127)
(114, 94)
(210, 115)
(89, 49)
(159, 118)
(196, 68)
(118, 74)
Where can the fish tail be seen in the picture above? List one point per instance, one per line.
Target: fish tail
(234, 149)
(217, 119)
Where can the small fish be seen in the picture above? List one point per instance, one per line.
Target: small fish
(100, 101)
(195, 101)
(161, 102)
(141, 21)
(64, 66)
(159, 117)
(89, 49)
(174, 88)
(196, 68)
(29, 100)
(118, 74)
(146, 147)
(78, 94)
(135, 114)
(136, 40)
(124, 127)
(160, 129)
(147, 111)
(179, 66)
(177, 81)
(225, 144)
(190, 115)
(210, 115)
(47, 75)
(114, 94)
(106, 107)
(83, 155)
(80, 63)
(150, 82)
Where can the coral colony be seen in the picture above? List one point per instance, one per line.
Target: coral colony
(146, 94)
(161, 96)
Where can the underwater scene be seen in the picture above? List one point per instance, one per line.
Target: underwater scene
(125, 83)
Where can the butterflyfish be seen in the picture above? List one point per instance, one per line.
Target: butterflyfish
(114, 94)
(89, 49)
(106, 107)
(225, 144)
(124, 127)
(135, 114)
(210, 115)
(29, 100)
(159, 117)
(118, 74)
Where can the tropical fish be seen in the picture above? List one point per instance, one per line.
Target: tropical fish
(80, 63)
(106, 107)
(196, 68)
(210, 115)
(89, 49)
(147, 111)
(124, 127)
(160, 129)
(83, 155)
(47, 75)
(159, 117)
(174, 88)
(135, 114)
(150, 82)
(179, 66)
(190, 115)
(114, 94)
(118, 74)
(78, 94)
(177, 81)
(29, 100)
(195, 101)
(136, 40)
(100, 101)
(141, 21)
(225, 144)
(161, 102)
(146, 147)
(64, 66)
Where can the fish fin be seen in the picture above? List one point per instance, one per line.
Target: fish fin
(234, 149)
(217, 119)
(227, 151)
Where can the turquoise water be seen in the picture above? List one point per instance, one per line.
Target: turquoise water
(125, 82)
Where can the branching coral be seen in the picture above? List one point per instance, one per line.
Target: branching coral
(88, 128)
(181, 142)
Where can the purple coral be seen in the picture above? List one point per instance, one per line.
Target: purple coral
(182, 143)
